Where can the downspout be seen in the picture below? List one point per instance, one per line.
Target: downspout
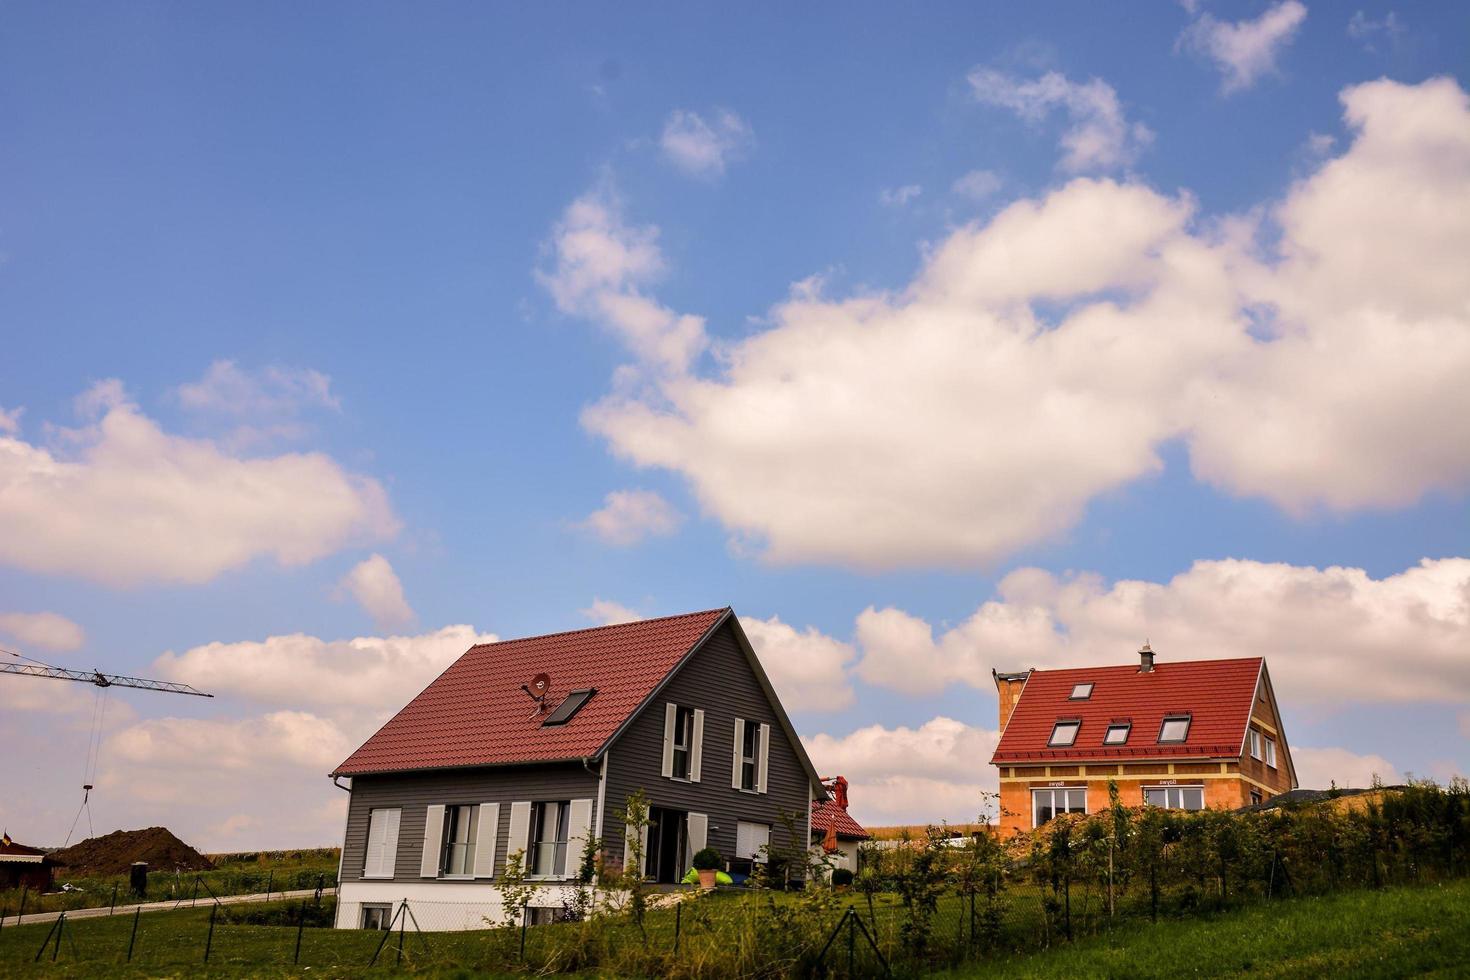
(342, 854)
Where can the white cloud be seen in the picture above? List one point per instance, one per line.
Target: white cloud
(10, 420)
(47, 630)
(294, 739)
(1041, 358)
(122, 502)
(911, 775)
(225, 389)
(628, 516)
(1098, 137)
(606, 612)
(1330, 635)
(1245, 50)
(807, 667)
(897, 197)
(1372, 33)
(1321, 768)
(375, 586)
(977, 185)
(703, 148)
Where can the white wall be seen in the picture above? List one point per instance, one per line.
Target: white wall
(437, 906)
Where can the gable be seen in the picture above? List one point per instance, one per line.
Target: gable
(1265, 710)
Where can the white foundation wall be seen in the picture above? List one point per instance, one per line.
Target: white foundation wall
(437, 906)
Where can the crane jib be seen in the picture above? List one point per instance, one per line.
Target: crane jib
(100, 679)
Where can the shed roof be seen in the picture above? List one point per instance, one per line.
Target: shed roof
(826, 813)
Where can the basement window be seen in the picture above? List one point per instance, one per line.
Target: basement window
(1117, 733)
(569, 706)
(1065, 732)
(1080, 692)
(1174, 729)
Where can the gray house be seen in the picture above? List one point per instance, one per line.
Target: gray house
(529, 746)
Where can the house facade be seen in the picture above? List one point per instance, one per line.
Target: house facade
(1185, 735)
(529, 747)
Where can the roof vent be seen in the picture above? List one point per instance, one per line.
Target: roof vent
(1145, 658)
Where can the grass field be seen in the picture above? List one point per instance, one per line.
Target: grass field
(1395, 932)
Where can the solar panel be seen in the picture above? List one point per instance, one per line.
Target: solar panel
(569, 706)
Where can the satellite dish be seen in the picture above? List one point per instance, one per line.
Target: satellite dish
(540, 684)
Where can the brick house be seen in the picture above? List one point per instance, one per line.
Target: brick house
(531, 746)
(1188, 735)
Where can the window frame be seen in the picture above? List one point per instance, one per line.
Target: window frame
(1074, 696)
(1126, 727)
(1177, 788)
(750, 761)
(1051, 792)
(448, 847)
(683, 728)
(558, 844)
(1255, 745)
(1270, 759)
(1076, 726)
(583, 695)
(384, 912)
(1164, 726)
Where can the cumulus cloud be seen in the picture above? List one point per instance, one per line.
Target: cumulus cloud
(703, 147)
(1329, 635)
(807, 667)
(977, 185)
(375, 586)
(1098, 135)
(1322, 768)
(628, 516)
(1372, 34)
(1244, 50)
(10, 420)
(606, 612)
(47, 630)
(122, 502)
(263, 744)
(897, 197)
(937, 771)
(1042, 357)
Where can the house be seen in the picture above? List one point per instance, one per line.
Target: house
(25, 866)
(1188, 735)
(834, 831)
(529, 746)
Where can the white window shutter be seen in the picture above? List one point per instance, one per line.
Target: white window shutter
(698, 833)
(765, 758)
(487, 835)
(519, 836)
(389, 858)
(670, 712)
(579, 823)
(628, 830)
(433, 840)
(372, 859)
(696, 749)
(739, 744)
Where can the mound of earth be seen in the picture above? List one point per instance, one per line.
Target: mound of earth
(115, 853)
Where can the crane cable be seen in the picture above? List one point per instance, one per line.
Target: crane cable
(90, 763)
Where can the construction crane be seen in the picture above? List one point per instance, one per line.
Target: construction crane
(27, 667)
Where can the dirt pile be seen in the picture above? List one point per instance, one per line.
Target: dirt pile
(114, 853)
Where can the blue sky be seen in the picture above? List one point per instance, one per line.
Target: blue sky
(434, 258)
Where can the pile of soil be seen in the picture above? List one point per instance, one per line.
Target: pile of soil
(114, 853)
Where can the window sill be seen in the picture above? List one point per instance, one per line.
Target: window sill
(368, 877)
(751, 792)
(456, 877)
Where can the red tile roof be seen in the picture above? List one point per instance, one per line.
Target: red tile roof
(1217, 694)
(826, 813)
(475, 713)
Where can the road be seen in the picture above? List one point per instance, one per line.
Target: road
(203, 902)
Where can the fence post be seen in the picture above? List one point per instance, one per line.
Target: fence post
(137, 914)
(113, 907)
(319, 889)
(20, 916)
(2, 917)
(209, 939)
(402, 927)
(195, 897)
(300, 926)
(851, 939)
(525, 919)
(678, 919)
(268, 882)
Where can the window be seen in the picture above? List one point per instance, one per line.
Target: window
(1256, 798)
(1080, 692)
(457, 856)
(683, 741)
(1065, 732)
(1270, 752)
(1175, 797)
(569, 706)
(382, 844)
(549, 839)
(1174, 729)
(751, 840)
(750, 750)
(1255, 738)
(1048, 803)
(541, 915)
(377, 916)
(1117, 733)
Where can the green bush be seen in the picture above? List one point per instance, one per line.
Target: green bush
(708, 860)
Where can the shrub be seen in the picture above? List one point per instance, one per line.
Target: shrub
(707, 860)
(841, 877)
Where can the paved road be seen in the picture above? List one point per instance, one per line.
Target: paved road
(203, 902)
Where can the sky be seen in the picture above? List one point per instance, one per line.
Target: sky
(334, 339)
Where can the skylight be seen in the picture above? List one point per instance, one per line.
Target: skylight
(569, 706)
(1065, 732)
(1081, 692)
(1174, 729)
(1117, 733)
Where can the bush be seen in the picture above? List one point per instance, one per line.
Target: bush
(841, 877)
(708, 860)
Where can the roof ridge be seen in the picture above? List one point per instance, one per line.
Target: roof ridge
(1157, 664)
(604, 626)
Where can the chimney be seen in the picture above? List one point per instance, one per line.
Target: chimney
(1145, 658)
(1007, 692)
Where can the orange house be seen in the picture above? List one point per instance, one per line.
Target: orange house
(1189, 735)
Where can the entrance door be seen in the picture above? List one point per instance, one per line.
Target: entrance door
(666, 843)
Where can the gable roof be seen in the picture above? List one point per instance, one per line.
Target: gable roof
(475, 713)
(1216, 694)
(826, 813)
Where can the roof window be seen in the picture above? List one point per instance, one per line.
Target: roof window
(1174, 729)
(1064, 733)
(1117, 733)
(1080, 692)
(569, 706)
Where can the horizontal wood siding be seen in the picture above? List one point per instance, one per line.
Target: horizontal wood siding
(719, 680)
(415, 792)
